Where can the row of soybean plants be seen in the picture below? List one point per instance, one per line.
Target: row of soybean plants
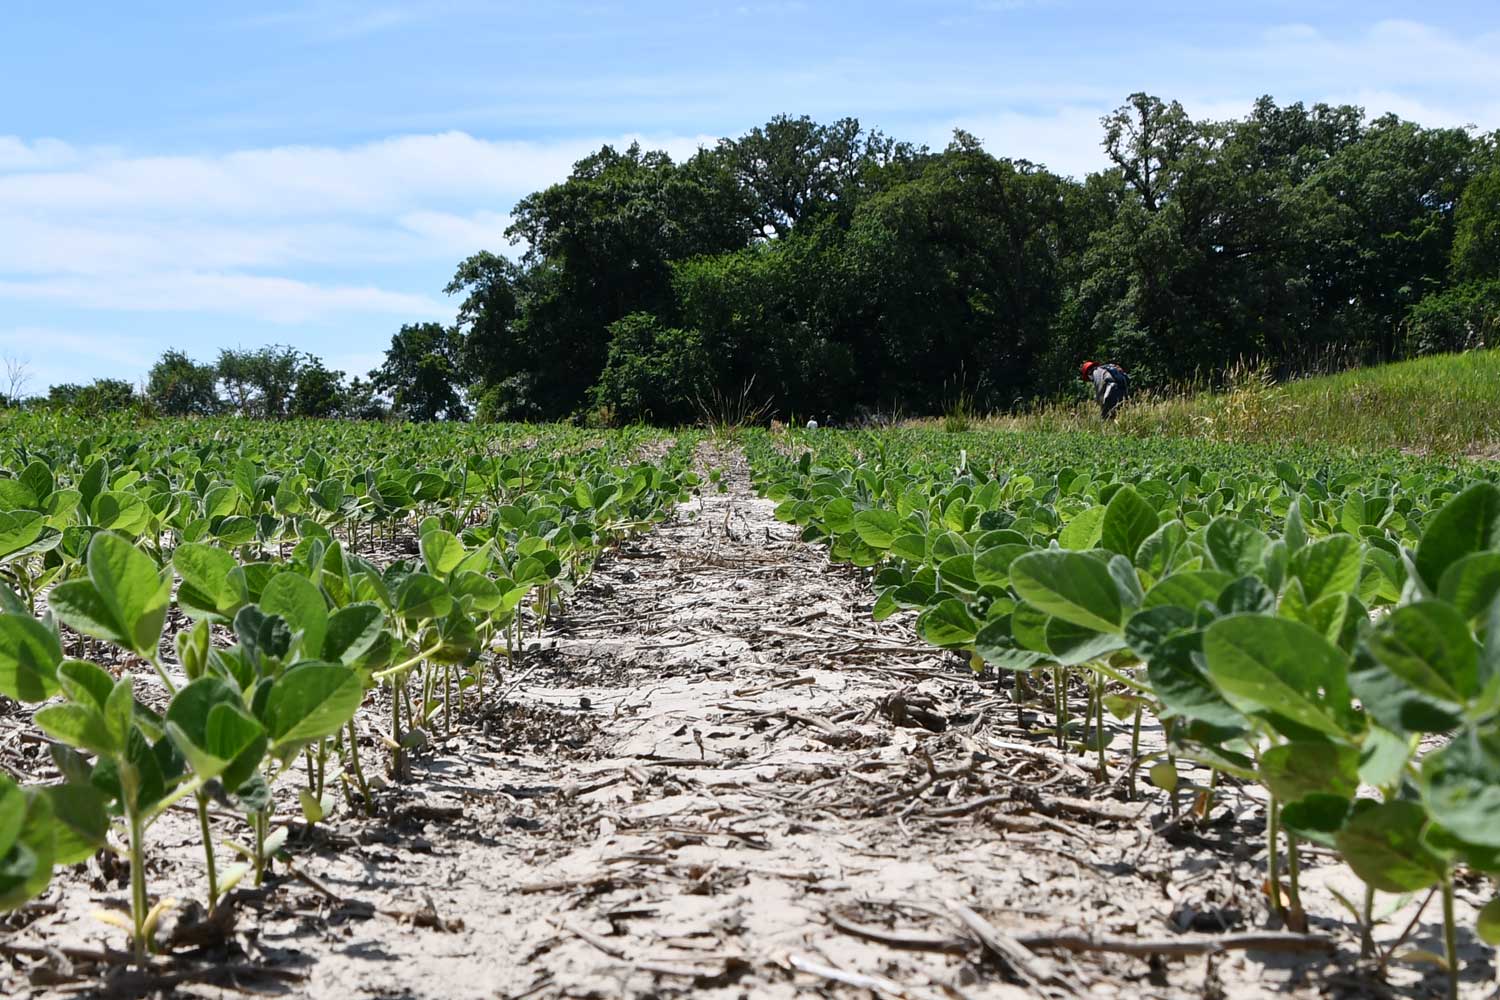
(1301, 619)
(265, 579)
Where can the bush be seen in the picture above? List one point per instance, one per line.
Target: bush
(653, 372)
(1463, 318)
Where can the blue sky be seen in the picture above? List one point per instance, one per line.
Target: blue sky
(207, 175)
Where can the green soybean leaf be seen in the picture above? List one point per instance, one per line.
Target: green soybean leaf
(1471, 583)
(1488, 923)
(311, 701)
(1159, 553)
(119, 710)
(1236, 547)
(948, 625)
(26, 866)
(79, 604)
(1304, 767)
(1187, 589)
(12, 813)
(354, 630)
(420, 596)
(80, 819)
(1414, 673)
(130, 599)
(1084, 530)
(877, 528)
(1148, 629)
(992, 565)
(911, 547)
(298, 600)
(1461, 786)
(1468, 523)
(1072, 586)
(29, 655)
(1428, 644)
(1283, 669)
(1317, 817)
(1328, 566)
(1382, 757)
(442, 551)
(79, 726)
(210, 586)
(85, 683)
(1184, 687)
(1384, 846)
(1072, 644)
(1128, 522)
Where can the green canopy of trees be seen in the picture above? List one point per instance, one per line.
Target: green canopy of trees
(831, 268)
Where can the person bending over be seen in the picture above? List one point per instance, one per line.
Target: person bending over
(1110, 385)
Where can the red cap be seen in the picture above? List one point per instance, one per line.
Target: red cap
(1084, 370)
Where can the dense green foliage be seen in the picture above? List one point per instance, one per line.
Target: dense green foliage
(340, 559)
(833, 269)
(1295, 617)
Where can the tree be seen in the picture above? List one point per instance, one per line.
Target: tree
(103, 395)
(260, 382)
(492, 348)
(362, 401)
(421, 372)
(792, 169)
(1476, 236)
(319, 392)
(178, 386)
(17, 377)
(599, 247)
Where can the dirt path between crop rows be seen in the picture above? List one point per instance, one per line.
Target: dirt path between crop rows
(718, 777)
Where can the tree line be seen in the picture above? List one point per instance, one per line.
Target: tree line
(821, 268)
(830, 268)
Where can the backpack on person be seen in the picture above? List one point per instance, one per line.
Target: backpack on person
(1118, 374)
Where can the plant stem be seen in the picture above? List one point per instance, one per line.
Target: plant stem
(1135, 746)
(138, 901)
(259, 822)
(1099, 739)
(1294, 871)
(397, 757)
(1273, 863)
(1450, 936)
(206, 832)
(1366, 926)
(359, 772)
(1060, 709)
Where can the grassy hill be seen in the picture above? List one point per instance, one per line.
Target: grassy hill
(1441, 405)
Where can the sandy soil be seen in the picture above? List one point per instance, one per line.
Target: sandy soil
(715, 776)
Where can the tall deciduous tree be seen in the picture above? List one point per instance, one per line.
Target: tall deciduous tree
(422, 372)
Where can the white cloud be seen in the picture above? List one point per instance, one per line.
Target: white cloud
(269, 298)
(247, 232)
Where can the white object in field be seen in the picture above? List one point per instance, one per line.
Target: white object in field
(812, 425)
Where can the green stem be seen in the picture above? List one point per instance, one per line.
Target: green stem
(1273, 863)
(1294, 873)
(359, 772)
(259, 822)
(206, 832)
(1135, 745)
(1367, 924)
(161, 672)
(1450, 936)
(138, 900)
(397, 757)
(1099, 739)
(1060, 706)
(405, 665)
